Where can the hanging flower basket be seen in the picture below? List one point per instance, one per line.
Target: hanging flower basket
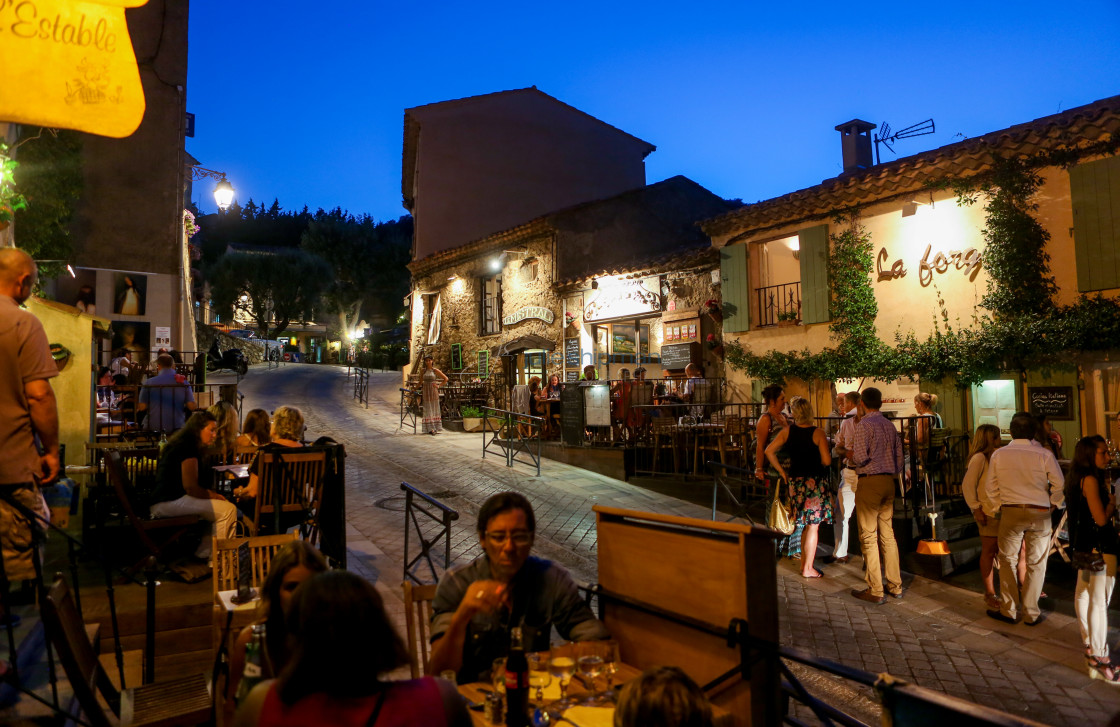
(711, 307)
(713, 342)
(571, 320)
(60, 354)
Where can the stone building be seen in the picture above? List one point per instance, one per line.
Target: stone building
(930, 257)
(602, 283)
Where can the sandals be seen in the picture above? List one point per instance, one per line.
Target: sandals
(817, 573)
(992, 602)
(1104, 670)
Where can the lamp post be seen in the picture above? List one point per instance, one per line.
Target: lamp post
(223, 190)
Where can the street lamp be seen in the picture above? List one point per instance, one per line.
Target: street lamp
(223, 190)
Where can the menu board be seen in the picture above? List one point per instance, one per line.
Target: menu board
(456, 357)
(571, 353)
(678, 355)
(571, 415)
(1056, 402)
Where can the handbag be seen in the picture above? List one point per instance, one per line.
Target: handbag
(779, 518)
(1092, 561)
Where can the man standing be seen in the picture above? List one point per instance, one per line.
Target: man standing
(1024, 486)
(27, 410)
(846, 494)
(877, 459)
(476, 604)
(165, 398)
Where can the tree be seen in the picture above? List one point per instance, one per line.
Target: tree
(281, 286)
(49, 175)
(368, 260)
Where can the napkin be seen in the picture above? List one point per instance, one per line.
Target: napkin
(591, 716)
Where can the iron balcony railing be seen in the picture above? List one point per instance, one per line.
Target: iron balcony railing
(779, 303)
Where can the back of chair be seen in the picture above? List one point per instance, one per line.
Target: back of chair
(67, 633)
(262, 548)
(298, 476)
(118, 477)
(141, 464)
(244, 455)
(418, 619)
(663, 425)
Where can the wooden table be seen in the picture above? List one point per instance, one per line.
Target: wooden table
(476, 692)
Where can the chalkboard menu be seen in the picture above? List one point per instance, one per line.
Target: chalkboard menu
(571, 353)
(456, 357)
(1056, 402)
(678, 355)
(571, 375)
(571, 415)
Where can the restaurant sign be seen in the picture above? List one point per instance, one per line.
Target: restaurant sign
(967, 260)
(529, 311)
(69, 64)
(623, 298)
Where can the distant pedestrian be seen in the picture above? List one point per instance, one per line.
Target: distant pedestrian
(1024, 486)
(1091, 507)
(432, 379)
(974, 489)
(845, 503)
(877, 459)
(807, 477)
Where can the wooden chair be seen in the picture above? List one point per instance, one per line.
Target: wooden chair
(180, 702)
(418, 619)
(144, 525)
(262, 548)
(737, 439)
(294, 479)
(664, 435)
(244, 455)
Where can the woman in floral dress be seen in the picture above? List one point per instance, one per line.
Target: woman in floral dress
(807, 475)
(432, 379)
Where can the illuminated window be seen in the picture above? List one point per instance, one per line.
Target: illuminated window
(490, 304)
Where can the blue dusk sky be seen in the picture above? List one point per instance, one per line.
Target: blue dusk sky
(304, 102)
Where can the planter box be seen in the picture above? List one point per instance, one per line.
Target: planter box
(474, 424)
(787, 324)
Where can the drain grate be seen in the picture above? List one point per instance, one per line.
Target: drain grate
(395, 504)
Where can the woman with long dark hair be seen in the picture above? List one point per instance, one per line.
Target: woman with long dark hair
(178, 489)
(985, 440)
(1091, 506)
(342, 643)
(295, 563)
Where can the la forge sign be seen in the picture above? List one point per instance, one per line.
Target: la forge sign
(967, 260)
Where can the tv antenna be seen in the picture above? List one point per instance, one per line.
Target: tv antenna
(886, 138)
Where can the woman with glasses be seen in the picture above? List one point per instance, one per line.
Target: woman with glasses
(476, 604)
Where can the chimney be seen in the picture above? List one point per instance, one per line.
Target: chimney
(855, 141)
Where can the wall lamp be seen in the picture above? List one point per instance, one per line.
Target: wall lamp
(223, 190)
(498, 262)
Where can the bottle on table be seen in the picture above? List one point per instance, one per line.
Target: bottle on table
(254, 661)
(517, 681)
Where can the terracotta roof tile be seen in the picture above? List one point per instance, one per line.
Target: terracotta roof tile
(1092, 122)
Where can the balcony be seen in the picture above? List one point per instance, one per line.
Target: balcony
(778, 303)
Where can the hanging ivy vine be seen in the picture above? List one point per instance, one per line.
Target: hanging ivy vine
(1018, 326)
(50, 176)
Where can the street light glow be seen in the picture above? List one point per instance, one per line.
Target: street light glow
(223, 194)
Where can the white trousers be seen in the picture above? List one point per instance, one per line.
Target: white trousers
(220, 512)
(1094, 590)
(845, 506)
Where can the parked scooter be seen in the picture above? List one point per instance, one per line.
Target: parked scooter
(232, 359)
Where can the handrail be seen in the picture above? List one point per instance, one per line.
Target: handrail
(446, 516)
(361, 386)
(410, 407)
(512, 422)
(740, 503)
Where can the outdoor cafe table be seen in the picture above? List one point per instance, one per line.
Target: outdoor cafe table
(600, 716)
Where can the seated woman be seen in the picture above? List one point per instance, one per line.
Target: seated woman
(552, 391)
(255, 431)
(339, 613)
(287, 433)
(535, 398)
(226, 437)
(291, 566)
(663, 697)
(178, 491)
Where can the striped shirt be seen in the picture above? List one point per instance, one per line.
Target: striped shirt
(877, 448)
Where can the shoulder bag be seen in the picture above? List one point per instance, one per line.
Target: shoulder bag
(1089, 560)
(779, 518)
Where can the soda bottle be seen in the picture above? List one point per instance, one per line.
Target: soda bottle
(162, 441)
(254, 661)
(517, 682)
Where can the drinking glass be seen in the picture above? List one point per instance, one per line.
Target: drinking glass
(498, 675)
(562, 665)
(539, 675)
(610, 666)
(590, 664)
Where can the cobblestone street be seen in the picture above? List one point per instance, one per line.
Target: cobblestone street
(937, 636)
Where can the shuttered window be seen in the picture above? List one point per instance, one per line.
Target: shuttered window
(813, 243)
(733, 284)
(1095, 190)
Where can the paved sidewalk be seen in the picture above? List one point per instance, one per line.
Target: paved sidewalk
(937, 636)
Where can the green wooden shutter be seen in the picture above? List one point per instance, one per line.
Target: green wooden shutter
(1095, 191)
(734, 287)
(814, 274)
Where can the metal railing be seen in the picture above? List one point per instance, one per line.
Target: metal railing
(411, 407)
(748, 495)
(435, 511)
(123, 418)
(361, 386)
(518, 431)
(778, 303)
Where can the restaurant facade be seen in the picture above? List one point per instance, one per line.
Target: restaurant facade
(930, 271)
(616, 283)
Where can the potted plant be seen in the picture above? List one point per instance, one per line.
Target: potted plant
(711, 307)
(715, 344)
(571, 320)
(473, 419)
(788, 318)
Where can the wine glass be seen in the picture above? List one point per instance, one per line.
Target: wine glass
(590, 664)
(562, 665)
(610, 666)
(539, 675)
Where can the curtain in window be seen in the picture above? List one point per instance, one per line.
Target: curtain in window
(433, 326)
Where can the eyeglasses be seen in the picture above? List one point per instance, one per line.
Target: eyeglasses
(519, 537)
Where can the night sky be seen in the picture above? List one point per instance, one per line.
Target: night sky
(304, 102)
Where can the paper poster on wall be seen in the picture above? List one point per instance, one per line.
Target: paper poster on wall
(133, 337)
(1006, 396)
(129, 293)
(1004, 420)
(692, 330)
(986, 397)
(163, 337)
